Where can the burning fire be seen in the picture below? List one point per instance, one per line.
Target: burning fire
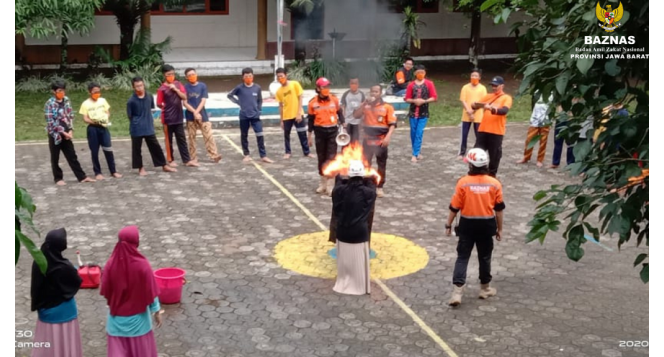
(341, 162)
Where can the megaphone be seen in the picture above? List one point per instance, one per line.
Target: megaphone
(343, 138)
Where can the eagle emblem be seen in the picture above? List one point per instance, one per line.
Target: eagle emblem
(609, 18)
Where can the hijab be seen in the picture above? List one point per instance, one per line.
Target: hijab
(128, 282)
(61, 281)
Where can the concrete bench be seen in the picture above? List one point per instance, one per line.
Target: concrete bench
(225, 114)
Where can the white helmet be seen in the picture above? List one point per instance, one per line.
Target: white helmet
(477, 157)
(356, 168)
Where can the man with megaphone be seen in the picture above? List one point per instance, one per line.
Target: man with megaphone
(325, 116)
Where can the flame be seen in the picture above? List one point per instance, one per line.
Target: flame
(341, 162)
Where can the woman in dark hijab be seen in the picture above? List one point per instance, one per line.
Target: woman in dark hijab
(53, 298)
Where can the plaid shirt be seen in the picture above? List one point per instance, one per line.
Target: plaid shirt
(57, 120)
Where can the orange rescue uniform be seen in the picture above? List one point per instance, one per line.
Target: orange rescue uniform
(477, 197)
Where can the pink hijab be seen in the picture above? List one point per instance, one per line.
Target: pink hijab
(128, 282)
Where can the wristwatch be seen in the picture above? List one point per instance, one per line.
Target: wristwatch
(447, 226)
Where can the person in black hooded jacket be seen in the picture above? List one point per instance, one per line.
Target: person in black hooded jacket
(53, 298)
(353, 201)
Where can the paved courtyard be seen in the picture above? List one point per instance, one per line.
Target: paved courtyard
(222, 222)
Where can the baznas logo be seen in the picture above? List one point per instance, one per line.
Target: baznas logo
(608, 18)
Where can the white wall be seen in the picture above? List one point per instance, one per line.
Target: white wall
(360, 21)
(238, 29)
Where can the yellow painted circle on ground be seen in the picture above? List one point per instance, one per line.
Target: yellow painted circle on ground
(307, 254)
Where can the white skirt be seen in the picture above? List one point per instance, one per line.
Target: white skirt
(353, 269)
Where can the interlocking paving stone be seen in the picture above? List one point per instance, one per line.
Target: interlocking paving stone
(221, 222)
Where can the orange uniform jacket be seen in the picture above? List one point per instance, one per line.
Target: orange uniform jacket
(325, 113)
(377, 122)
(477, 197)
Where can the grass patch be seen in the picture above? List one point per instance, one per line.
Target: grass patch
(447, 110)
(30, 123)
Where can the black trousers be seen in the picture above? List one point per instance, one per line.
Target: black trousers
(181, 138)
(156, 153)
(301, 129)
(465, 245)
(67, 148)
(354, 132)
(380, 152)
(326, 145)
(493, 143)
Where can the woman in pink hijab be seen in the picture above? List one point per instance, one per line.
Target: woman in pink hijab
(130, 290)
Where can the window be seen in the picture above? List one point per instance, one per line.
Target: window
(193, 7)
(419, 6)
(455, 4)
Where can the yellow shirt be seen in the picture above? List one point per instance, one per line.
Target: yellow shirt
(289, 96)
(470, 94)
(96, 110)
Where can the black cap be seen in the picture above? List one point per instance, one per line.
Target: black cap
(498, 80)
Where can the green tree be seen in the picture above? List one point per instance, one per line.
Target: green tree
(128, 13)
(43, 18)
(411, 25)
(473, 8)
(613, 169)
(24, 210)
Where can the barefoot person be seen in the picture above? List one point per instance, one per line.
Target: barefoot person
(53, 298)
(479, 199)
(539, 126)
(170, 97)
(250, 99)
(353, 200)
(141, 127)
(289, 96)
(130, 289)
(419, 94)
(96, 114)
(197, 117)
(59, 126)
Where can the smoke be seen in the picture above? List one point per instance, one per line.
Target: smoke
(366, 29)
(362, 23)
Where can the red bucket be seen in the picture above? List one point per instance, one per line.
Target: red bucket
(170, 282)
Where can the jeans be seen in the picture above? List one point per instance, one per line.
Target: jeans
(399, 92)
(257, 125)
(100, 136)
(493, 143)
(465, 129)
(558, 148)
(301, 129)
(464, 248)
(417, 126)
